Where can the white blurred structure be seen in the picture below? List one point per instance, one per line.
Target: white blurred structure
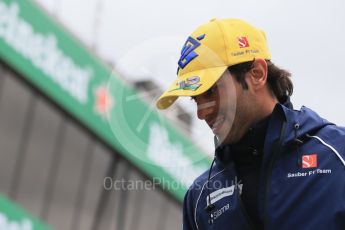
(144, 38)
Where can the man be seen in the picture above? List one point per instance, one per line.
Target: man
(275, 167)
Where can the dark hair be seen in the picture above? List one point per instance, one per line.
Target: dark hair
(277, 79)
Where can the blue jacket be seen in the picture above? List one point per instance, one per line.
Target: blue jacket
(302, 180)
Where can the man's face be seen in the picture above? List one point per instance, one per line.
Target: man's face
(227, 109)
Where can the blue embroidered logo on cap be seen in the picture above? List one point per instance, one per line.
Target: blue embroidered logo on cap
(201, 37)
(188, 53)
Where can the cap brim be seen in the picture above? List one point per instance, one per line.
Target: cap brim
(207, 78)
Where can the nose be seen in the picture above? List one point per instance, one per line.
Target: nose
(205, 108)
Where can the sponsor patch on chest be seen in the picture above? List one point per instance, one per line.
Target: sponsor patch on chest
(221, 193)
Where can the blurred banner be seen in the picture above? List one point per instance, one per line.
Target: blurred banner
(46, 55)
(14, 218)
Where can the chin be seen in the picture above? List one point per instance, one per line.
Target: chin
(226, 136)
(225, 139)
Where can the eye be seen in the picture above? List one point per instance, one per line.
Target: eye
(193, 98)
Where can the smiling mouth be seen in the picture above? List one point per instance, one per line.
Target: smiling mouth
(217, 124)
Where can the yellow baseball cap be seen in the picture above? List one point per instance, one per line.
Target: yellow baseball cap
(209, 51)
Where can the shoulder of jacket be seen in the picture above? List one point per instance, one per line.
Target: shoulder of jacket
(332, 137)
(333, 134)
(201, 180)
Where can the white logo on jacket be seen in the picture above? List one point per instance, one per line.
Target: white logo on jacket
(221, 193)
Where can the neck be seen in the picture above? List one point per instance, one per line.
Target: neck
(248, 150)
(265, 107)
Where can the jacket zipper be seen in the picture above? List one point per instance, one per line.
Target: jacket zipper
(246, 216)
(276, 153)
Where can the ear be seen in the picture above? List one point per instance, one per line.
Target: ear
(258, 74)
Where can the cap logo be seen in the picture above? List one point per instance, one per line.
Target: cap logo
(309, 161)
(201, 37)
(243, 42)
(187, 52)
(190, 83)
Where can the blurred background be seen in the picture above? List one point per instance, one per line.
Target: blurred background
(79, 133)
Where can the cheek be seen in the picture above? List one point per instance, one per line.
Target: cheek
(228, 100)
(244, 111)
(228, 108)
